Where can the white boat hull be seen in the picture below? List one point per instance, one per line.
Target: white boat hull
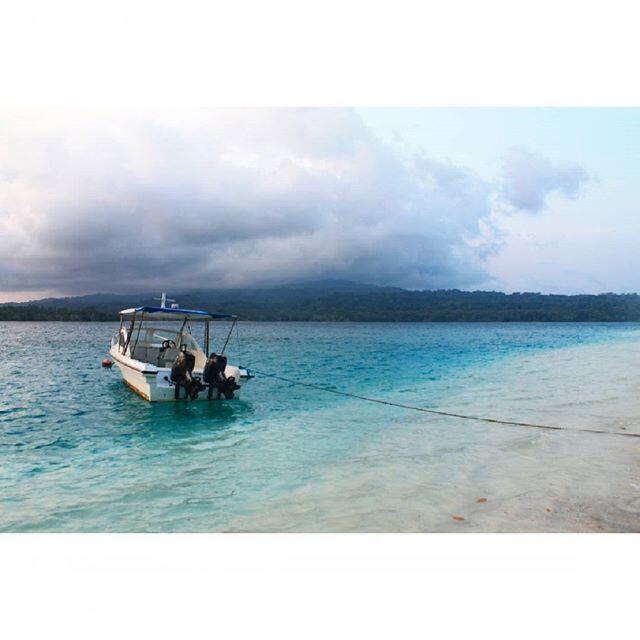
(154, 383)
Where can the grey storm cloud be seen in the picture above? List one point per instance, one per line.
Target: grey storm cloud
(231, 198)
(528, 178)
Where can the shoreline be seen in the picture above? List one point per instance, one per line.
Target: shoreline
(421, 472)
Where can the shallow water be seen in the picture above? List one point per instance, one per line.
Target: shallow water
(80, 452)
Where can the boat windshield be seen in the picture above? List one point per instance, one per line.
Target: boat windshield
(160, 346)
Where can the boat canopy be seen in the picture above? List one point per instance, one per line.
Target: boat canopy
(167, 313)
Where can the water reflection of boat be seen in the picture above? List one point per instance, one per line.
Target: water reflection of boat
(162, 361)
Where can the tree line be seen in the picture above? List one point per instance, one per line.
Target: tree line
(376, 305)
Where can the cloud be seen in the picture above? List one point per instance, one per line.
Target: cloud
(528, 178)
(230, 198)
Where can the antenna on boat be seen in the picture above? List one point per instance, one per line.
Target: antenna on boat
(163, 301)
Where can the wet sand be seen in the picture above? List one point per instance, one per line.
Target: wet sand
(445, 475)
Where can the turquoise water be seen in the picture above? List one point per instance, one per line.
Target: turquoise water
(80, 452)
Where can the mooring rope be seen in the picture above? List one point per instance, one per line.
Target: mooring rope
(448, 414)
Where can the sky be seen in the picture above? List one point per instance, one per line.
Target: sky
(508, 199)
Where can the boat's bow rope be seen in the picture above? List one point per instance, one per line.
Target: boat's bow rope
(448, 414)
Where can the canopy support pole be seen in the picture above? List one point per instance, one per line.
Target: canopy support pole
(138, 334)
(128, 342)
(226, 342)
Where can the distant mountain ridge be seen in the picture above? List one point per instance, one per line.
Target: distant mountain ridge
(206, 298)
(339, 300)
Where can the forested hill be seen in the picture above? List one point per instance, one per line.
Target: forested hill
(345, 301)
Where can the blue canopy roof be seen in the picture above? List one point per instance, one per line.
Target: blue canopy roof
(167, 313)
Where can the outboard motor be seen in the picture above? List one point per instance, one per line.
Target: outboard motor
(213, 375)
(229, 383)
(181, 374)
(229, 386)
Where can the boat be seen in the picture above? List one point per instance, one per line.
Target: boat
(161, 360)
